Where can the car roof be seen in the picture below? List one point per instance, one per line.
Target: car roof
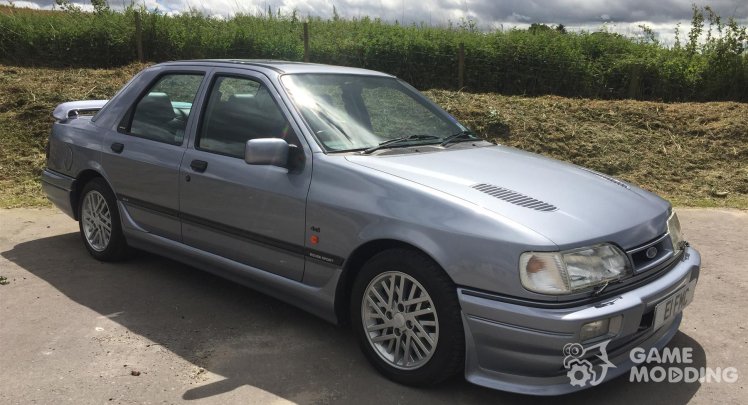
(279, 66)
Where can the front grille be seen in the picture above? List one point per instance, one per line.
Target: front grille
(651, 254)
(514, 197)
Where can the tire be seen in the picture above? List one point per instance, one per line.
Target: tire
(97, 207)
(442, 355)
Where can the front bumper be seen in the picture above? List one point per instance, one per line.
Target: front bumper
(519, 348)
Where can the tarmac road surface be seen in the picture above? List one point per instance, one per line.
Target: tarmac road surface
(150, 330)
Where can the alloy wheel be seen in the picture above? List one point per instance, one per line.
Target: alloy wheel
(400, 320)
(96, 219)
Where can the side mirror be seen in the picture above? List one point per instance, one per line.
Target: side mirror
(267, 151)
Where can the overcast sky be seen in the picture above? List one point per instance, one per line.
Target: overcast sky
(620, 15)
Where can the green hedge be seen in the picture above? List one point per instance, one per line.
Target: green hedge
(529, 62)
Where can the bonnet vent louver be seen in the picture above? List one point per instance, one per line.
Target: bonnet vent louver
(609, 178)
(515, 197)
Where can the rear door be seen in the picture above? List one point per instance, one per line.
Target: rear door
(141, 158)
(251, 214)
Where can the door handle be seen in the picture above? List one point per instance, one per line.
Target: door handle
(199, 165)
(117, 147)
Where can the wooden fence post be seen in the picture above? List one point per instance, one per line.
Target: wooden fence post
(139, 37)
(635, 81)
(306, 42)
(461, 66)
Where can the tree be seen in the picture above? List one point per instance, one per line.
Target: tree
(100, 6)
(66, 5)
(648, 35)
(538, 28)
(697, 27)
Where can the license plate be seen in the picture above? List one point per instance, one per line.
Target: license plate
(674, 304)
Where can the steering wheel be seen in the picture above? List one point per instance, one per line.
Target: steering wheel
(182, 115)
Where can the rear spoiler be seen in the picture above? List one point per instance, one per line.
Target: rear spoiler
(73, 109)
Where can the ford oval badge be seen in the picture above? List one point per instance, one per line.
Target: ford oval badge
(651, 252)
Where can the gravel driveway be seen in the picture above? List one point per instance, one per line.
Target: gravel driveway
(150, 330)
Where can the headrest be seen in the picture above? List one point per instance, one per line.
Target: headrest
(246, 101)
(155, 107)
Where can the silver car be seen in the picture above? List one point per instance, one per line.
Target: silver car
(347, 193)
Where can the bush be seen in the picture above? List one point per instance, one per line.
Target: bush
(537, 61)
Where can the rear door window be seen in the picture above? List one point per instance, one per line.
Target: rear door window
(162, 113)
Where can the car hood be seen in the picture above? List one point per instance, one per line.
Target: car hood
(583, 206)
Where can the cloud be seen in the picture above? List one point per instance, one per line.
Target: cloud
(519, 17)
(25, 4)
(586, 11)
(545, 11)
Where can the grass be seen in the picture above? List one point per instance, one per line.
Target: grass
(27, 98)
(690, 153)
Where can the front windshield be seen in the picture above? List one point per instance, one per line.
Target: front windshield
(354, 112)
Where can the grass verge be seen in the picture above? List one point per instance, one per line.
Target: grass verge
(690, 153)
(695, 154)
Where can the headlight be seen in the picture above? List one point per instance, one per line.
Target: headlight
(676, 236)
(572, 270)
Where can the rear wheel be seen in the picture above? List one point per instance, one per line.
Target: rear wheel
(405, 312)
(100, 225)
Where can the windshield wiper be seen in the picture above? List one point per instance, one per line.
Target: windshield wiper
(392, 142)
(462, 136)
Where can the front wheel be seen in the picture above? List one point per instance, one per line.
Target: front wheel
(99, 223)
(405, 312)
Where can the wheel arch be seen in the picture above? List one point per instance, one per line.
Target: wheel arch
(79, 184)
(353, 265)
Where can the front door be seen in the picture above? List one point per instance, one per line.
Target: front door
(251, 214)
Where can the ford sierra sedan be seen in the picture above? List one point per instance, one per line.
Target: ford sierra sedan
(349, 194)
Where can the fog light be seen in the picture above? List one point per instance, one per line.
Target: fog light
(602, 327)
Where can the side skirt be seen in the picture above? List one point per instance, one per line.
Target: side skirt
(319, 301)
